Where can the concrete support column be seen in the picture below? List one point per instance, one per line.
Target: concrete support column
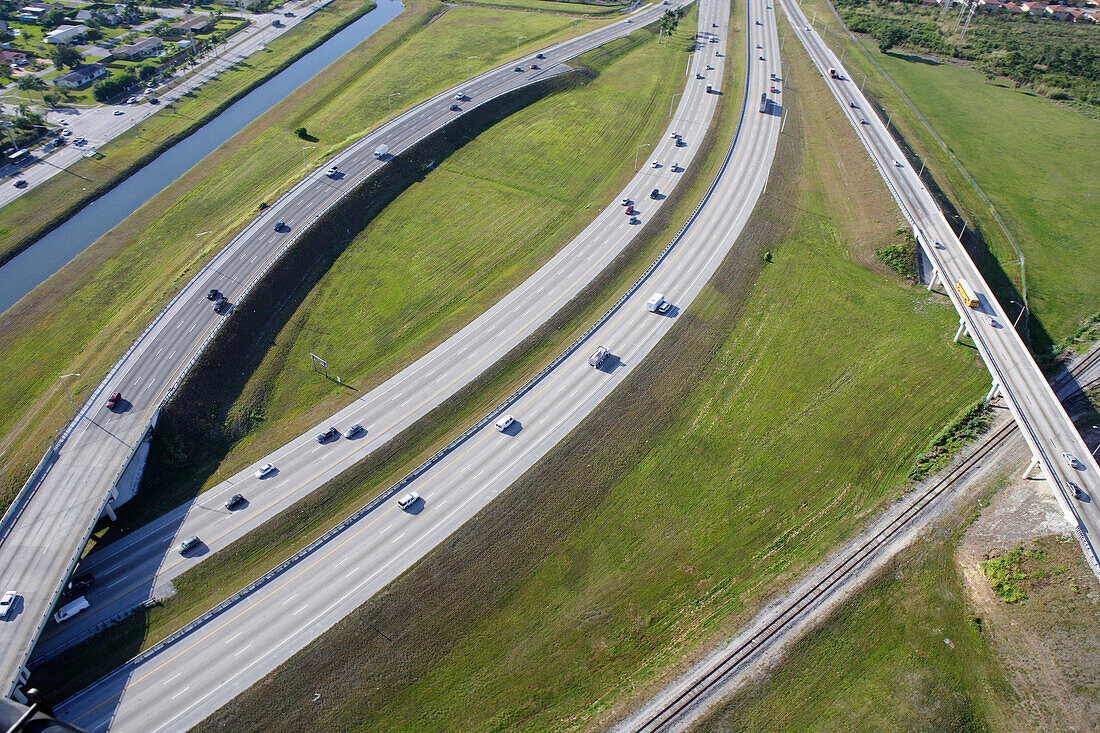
(934, 279)
(961, 332)
(110, 512)
(1030, 467)
(992, 392)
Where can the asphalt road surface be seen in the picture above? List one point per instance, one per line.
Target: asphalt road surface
(1046, 427)
(186, 680)
(142, 565)
(46, 532)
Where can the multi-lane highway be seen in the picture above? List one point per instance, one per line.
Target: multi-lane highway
(1050, 434)
(142, 565)
(183, 681)
(48, 525)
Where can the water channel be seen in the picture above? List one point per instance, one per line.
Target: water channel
(34, 265)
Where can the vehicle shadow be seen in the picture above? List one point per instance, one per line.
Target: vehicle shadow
(609, 364)
(512, 429)
(773, 108)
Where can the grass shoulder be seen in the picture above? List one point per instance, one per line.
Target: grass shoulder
(747, 446)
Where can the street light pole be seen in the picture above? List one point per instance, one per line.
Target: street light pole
(468, 66)
(307, 147)
(517, 46)
(199, 245)
(671, 102)
(643, 145)
(1023, 309)
(389, 103)
(61, 378)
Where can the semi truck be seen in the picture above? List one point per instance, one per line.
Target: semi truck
(764, 102)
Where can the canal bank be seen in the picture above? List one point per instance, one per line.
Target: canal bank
(101, 208)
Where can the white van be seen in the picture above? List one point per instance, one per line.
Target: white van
(503, 423)
(71, 609)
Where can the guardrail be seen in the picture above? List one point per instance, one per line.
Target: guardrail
(966, 315)
(419, 470)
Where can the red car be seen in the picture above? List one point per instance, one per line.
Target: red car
(113, 400)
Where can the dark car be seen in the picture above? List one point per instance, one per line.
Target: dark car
(213, 294)
(455, 108)
(634, 220)
(154, 100)
(280, 226)
(518, 68)
(234, 501)
(654, 193)
(221, 304)
(79, 583)
(327, 435)
(21, 183)
(534, 66)
(113, 400)
(853, 105)
(188, 544)
(539, 56)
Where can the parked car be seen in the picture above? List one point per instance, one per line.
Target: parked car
(234, 501)
(408, 500)
(113, 400)
(264, 470)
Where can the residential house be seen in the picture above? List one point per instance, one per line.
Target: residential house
(81, 75)
(991, 6)
(194, 24)
(1058, 12)
(66, 33)
(32, 13)
(140, 49)
(1013, 7)
(83, 15)
(13, 57)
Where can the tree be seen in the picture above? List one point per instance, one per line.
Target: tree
(6, 71)
(31, 83)
(93, 34)
(66, 55)
(890, 37)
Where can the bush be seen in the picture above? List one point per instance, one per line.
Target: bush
(108, 89)
(302, 133)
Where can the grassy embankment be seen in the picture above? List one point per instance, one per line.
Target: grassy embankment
(25, 220)
(551, 6)
(525, 191)
(785, 407)
(1039, 163)
(904, 654)
(82, 319)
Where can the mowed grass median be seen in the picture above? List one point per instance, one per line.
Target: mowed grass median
(786, 406)
(82, 319)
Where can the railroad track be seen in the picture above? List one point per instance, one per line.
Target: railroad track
(791, 612)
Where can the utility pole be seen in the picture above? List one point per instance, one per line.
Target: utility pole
(517, 46)
(65, 387)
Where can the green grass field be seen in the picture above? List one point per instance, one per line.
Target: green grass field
(789, 403)
(1039, 162)
(549, 6)
(883, 662)
(606, 114)
(136, 267)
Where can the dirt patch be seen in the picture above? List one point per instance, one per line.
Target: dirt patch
(1049, 642)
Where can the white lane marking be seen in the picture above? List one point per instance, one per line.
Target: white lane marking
(185, 689)
(288, 600)
(395, 539)
(342, 561)
(242, 650)
(352, 572)
(233, 637)
(112, 585)
(177, 674)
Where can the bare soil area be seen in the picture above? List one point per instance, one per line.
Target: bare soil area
(1049, 642)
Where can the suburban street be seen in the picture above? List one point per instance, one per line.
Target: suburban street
(47, 527)
(100, 124)
(1043, 421)
(179, 684)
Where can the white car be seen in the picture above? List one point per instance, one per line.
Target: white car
(656, 164)
(264, 470)
(408, 500)
(332, 172)
(7, 603)
(1070, 459)
(503, 423)
(118, 113)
